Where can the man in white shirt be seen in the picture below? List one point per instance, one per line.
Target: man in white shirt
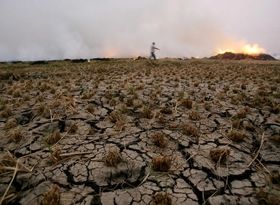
(153, 49)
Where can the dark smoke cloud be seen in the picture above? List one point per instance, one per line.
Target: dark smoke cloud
(39, 29)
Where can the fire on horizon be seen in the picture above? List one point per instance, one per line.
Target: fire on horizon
(250, 49)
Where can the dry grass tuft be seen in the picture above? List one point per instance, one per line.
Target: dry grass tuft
(52, 196)
(15, 135)
(53, 137)
(147, 112)
(236, 123)
(275, 108)
(161, 163)
(113, 158)
(268, 196)
(194, 116)
(219, 154)
(43, 111)
(6, 112)
(187, 103)
(207, 106)
(242, 113)
(166, 111)
(55, 155)
(90, 108)
(276, 138)
(11, 123)
(243, 86)
(73, 129)
(161, 199)
(87, 95)
(237, 136)
(190, 130)
(6, 160)
(275, 177)
(129, 102)
(16, 94)
(159, 140)
(115, 116)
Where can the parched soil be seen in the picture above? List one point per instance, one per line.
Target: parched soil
(127, 132)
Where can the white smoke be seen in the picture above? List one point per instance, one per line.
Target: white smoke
(39, 29)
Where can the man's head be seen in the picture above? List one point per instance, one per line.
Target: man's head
(154, 43)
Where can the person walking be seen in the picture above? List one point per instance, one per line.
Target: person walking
(153, 49)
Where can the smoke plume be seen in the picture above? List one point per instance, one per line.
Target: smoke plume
(38, 29)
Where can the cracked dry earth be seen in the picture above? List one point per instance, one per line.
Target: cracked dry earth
(125, 132)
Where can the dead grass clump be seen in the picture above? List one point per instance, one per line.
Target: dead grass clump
(207, 106)
(166, 111)
(44, 87)
(275, 108)
(159, 140)
(161, 119)
(56, 103)
(262, 91)
(275, 177)
(11, 123)
(236, 123)
(243, 86)
(53, 137)
(268, 196)
(161, 163)
(187, 103)
(55, 155)
(39, 98)
(52, 196)
(87, 95)
(194, 116)
(73, 129)
(26, 98)
(6, 160)
(43, 111)
(147, 112)
(243, 113)
(249, 126)
(16, 94)
(161, 199)
(113, 102)
(189, 129)
(276, 138)
(236, 136)
(6, 112)
(235, 90)
(115, 116)
(219, 154)
(260, 101)
(129, 102)
(113, 158)
(52, 91)
(15, 135)
(196, 84)
(90, 108)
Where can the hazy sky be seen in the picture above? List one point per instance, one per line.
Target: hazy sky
(55, 29)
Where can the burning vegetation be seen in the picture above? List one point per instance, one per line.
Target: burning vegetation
(246, 52)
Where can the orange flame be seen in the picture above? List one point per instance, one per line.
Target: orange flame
(251, 49)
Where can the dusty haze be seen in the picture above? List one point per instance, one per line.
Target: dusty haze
(38, 29)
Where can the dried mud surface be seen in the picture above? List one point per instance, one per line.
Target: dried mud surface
(59, 121)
